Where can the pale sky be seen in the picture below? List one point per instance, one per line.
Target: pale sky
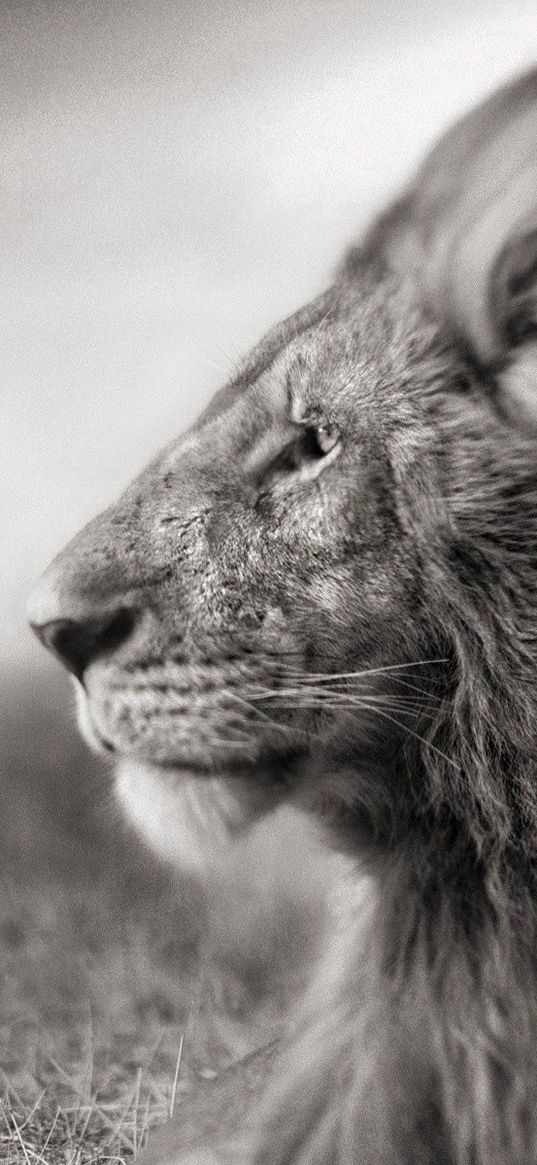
(176, 175)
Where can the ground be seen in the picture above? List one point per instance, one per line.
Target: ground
(97, 955)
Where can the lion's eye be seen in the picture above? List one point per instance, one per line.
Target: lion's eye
(315, 444)
(326, 437)
(314, 447)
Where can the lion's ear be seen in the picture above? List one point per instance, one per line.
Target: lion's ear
(471, 218)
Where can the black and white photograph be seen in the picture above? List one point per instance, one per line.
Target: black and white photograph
(268, 621)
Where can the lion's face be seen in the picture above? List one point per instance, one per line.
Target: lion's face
(269, 548)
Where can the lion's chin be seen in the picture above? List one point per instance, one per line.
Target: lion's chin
(186, 820)
(164, 757)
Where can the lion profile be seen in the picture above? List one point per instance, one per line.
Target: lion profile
(308, 631)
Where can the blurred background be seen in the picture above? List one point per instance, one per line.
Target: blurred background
(176, 176)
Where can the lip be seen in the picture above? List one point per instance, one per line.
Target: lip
(241, 768)
(104, 743)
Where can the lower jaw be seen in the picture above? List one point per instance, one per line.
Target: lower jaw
(276, 763)
(271, 770)
(277, 775)
(157, 757)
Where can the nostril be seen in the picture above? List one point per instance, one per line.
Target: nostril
(78, 643)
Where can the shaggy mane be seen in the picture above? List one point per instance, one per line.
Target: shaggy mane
(418, 1039)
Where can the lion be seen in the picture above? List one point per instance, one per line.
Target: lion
(308, 633)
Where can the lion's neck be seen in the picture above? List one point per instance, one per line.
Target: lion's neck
(271, 889)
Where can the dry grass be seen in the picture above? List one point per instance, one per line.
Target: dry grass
(96, 958)
(93, 1009)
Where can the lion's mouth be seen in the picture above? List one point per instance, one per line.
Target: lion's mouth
(180, 761)
(204, 726)
(103, 742)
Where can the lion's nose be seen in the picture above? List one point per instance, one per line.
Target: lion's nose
(79, 643)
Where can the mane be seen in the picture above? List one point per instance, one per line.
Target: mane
(457, 921)
(425, 1010)
(479, 899)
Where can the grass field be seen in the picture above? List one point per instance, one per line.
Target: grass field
(96, 955)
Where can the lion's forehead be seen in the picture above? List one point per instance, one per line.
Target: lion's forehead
(238, 420)
(307, 377)
(328, 370)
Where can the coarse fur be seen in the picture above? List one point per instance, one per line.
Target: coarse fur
(321, 604)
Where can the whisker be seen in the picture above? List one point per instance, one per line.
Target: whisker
(321, 695)
(245, 744)
(369, 706)
(415, 688)
(422, 739)
(350, 705)
(414, 699)
(235, 360)
(277, 653)
(212, 364)
(321, 677)
(285, 729)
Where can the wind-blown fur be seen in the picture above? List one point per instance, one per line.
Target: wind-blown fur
(356, 626)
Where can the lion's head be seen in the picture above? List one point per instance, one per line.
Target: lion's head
(303, 581)
(281, 538)
(267, 591)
